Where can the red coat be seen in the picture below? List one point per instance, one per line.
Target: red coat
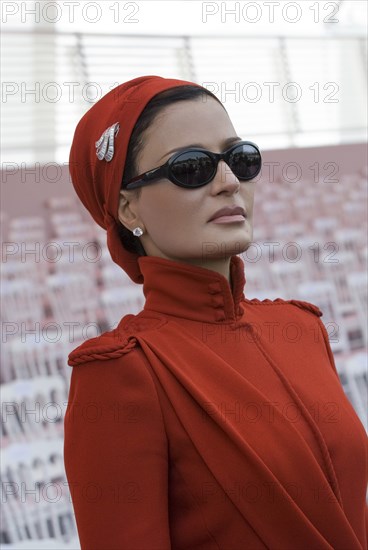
(210, 421)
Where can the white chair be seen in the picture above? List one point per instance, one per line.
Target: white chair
(73, 298)
(355, 213)
(80, 231)
(33, 408)
(29, 264)
(304, 207)
(325, 225)
(329, 197)
(311, 251)
(44, 544)
(288, 276)
(350, 239)
(101, 242)
(291, 231)
(356, 371)
(27, 223)
(34, 514)
(14, 270)
(274, 212)
(336, 268)
(257, 275)
(42, 353)
(81, 258)
(22, 302)
(67, 218)
(363, 258)
(62, 204)
(28, 233)
(113, 276)
(119, 302)
(358, 285)
(323, 294)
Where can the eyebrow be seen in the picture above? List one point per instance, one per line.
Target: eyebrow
(225, 143)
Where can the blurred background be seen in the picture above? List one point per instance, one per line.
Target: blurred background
(293, 78)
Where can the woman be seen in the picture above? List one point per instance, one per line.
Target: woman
(204, 422)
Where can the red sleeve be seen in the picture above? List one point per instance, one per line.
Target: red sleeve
(116, 456)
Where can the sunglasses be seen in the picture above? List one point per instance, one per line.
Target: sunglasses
(195, 166)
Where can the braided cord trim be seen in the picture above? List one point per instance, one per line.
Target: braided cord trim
(109, 352)
(280, 301)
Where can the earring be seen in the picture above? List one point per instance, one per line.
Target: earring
(137, 232)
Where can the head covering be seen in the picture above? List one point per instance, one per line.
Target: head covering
(98, 153)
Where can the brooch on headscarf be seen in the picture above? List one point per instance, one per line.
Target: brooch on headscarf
(105, 145)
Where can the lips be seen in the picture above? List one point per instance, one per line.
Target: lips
(228, 211)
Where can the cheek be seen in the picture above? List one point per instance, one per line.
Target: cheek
(170, 209)
(158, 212)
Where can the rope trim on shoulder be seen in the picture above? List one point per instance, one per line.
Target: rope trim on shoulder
(307, 305)
(115, 343)
(280, 301)
(108, 352)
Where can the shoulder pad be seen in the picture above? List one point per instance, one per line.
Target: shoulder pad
(281, 301)
(306, 305)
(114, 343)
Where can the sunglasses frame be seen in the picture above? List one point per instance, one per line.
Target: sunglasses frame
(164, 171)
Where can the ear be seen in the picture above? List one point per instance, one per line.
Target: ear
(128, 209)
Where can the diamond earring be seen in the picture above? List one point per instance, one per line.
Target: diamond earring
(137, 232)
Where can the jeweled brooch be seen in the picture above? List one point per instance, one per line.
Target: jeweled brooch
(105, 145)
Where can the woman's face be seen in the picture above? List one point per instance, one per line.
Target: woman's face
(175, 220)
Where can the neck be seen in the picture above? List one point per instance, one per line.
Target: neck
(221, 266)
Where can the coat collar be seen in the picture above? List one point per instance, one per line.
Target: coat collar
(192, 292)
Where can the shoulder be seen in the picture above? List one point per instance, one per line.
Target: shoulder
(306, 306)
(112, 392)
(117, 342)
(113, 369)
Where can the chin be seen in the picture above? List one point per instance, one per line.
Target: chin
(235, 241)
(215, 249)
(239, 247)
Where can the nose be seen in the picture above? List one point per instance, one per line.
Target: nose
(224, 180)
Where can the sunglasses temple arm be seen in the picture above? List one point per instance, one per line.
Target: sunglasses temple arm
(146, 178)
(135, 184)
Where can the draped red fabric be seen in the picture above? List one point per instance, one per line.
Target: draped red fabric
(212, 421)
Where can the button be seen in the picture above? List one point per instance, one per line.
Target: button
(217, 301)
(214, 288)
(219, 316)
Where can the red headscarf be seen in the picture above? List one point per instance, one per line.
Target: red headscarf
(105, 130)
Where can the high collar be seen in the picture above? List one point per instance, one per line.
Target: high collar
(192, 292)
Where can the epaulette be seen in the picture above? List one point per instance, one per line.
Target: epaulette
(115, 343)
(299, 303)
(306, 305)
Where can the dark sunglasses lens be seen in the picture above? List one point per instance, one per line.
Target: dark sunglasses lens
(245, 161)
(192, 168)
